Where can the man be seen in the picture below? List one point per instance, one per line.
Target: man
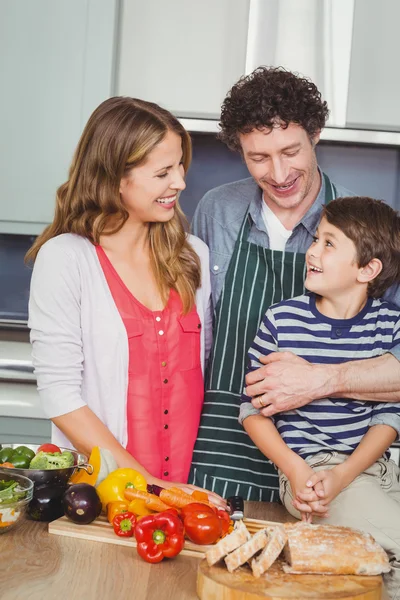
(258, 231)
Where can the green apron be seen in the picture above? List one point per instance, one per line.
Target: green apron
(225, 460)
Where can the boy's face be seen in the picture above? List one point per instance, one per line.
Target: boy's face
(332, 268)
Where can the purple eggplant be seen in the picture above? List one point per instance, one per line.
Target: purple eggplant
(81, 503)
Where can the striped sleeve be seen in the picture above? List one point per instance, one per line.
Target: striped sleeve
(386, 413)
(395, 348)
(264, 343)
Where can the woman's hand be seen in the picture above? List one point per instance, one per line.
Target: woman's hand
(189, 489)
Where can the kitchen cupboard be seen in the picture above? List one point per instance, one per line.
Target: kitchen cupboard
(57, 65)
(182, 55)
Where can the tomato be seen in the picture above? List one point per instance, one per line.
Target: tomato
(203, 527)
(48, 448)
(225, 520)
(196, 507)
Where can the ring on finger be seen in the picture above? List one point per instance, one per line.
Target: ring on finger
(262, 405)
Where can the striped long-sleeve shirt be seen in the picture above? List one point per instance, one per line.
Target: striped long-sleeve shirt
(297, 326)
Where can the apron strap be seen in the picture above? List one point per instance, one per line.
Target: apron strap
(330, 190)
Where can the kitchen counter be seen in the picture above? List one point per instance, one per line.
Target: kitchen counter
(38, 566)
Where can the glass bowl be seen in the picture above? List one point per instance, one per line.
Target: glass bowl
(13, 505)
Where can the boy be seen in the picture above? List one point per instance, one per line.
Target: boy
(331, 454)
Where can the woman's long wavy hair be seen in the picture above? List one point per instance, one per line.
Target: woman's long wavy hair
(118, 137)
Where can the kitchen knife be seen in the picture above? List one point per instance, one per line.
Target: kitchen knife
(236, 508)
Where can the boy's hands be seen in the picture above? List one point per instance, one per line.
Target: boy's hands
(332, 482)
(306, 499)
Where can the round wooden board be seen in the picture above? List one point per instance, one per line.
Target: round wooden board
(216, 583)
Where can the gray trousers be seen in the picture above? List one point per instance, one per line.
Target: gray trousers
(370, 503)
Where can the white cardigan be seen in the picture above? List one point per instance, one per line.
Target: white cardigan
(79, 342)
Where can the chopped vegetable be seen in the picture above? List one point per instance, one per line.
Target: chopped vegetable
(10, 492)
(159, 536)
(52, 460)
(124, 524)
(8, 516)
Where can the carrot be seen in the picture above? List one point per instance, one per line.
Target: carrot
(154, 503)
(199, 496)
(133, 493)
(177, 498)
(151, 501)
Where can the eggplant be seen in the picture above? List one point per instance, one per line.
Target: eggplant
(46, 503)
(81, 503)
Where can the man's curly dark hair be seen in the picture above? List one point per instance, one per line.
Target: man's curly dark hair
(269, 96)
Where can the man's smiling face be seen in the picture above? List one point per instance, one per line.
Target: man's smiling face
(283, 163)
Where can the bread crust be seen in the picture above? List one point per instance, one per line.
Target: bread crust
(228, 544)
(332, 549)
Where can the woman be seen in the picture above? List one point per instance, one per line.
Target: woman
(119, 307)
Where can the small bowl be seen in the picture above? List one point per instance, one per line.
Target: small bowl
(13, 512)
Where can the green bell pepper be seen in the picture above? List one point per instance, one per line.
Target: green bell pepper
(20, 457)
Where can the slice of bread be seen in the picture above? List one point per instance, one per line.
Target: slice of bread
(277, 539)
(247, 550)
(228, 544)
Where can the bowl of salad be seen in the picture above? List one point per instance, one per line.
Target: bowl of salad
(16, 492)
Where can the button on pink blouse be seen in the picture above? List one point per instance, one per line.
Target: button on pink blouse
(165, 387)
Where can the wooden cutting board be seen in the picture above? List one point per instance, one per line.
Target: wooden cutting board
(216, 583)
(100, 530)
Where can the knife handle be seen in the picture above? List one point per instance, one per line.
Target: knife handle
(236, 506)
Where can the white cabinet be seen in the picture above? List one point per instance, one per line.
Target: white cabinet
(182, 54)
(56, 65)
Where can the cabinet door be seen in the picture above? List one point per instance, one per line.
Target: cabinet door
(56, 64)
(183, 55)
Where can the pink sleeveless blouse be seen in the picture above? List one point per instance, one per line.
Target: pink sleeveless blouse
(165, 380)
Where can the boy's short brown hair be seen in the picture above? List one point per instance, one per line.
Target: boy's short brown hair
(374, 228)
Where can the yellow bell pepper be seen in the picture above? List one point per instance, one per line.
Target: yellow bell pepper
(138, 508)
(111, 489)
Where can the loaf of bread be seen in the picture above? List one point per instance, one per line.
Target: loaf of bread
(333, 550)
(228, 544)
(242, 554)
(277, 539)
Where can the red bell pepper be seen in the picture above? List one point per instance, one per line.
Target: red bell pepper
(124, 524)
(158, 536)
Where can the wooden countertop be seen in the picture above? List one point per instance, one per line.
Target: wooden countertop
(35, 565)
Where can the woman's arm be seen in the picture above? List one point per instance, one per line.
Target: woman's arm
(85, 430)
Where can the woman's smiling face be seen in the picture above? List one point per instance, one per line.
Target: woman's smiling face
(149, 192)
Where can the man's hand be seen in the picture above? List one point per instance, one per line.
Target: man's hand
(285, 382)
(332, 481)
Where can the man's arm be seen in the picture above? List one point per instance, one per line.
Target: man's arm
(286, 381)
